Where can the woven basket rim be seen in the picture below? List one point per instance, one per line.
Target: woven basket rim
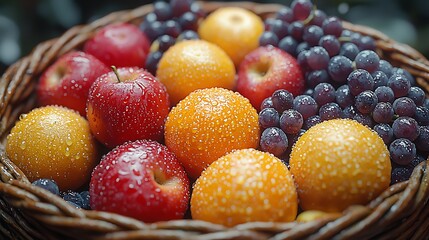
(31, 212)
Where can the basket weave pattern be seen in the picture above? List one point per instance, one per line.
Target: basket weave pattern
(28, 212)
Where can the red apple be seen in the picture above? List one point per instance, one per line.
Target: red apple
(127, 105)
(140, 179)
(265, 70)
(120, 45)
(67, 81)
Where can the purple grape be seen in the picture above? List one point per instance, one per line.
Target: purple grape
(330, 111)
(385, 67)
(152, 61)
(188, 35)
(278, 27)
(315, 77)
(267, 103)
(309, 92)
(289, 45)
(305, 105)
(153, 29)
(417, 95)
(366, 101)
(343, 96)
(406, 74)
(301, 9)
(339, 68)
(149, 18)
(367, 43)
(311, 121)
(426, 104)
(384, 94)
(165, 42)
(274, 140)
(291, 121)
(302, 60)
(172, 28)
(318, 58)
(383, 112)
(406, 127)
(268, 38)
(324, 93)
(380, 79)
(422, 116)
(162, 10)
(189, 21)
(399, 84)
(47, 184)
(282, 100)
(385, 132)
(360, 80)
(404, 106)
(364, 119)
(198, 10)
(422, 141)
(296, 30)
(268, 117)
(318, 17)
(331, 44)
(333, 26)
(349, 50)
(367, 60)
(349, 112)
(179, 7)
(312, 34)
(402, 151)
(400, 173)
(86, 200)
(292, 138)
(285, 14)
(73, 197)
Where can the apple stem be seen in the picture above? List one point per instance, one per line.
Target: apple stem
(115, 70)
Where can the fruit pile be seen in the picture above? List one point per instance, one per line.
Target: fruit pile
(223, 114)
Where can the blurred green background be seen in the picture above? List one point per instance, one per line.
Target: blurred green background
(25, 23)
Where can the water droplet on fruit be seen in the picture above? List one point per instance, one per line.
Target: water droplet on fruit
(69, 141)
(67, 152)
(22, 116)
(23, 145)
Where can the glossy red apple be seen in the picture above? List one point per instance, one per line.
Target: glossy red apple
(120, 45)
(128, 106)
(67, 81)
(265, 70)
(140, 179)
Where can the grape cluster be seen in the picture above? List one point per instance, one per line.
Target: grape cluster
(76, 199)
(168, 23)
(345, 78)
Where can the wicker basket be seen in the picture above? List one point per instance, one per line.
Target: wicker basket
(27, 212)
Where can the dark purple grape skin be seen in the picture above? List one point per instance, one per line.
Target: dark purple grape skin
(291, 121)
(339, 68)
(289, 45)
(364, 119)
(324, 93)
(73, 197)
(309, 92)
(86, 200)
(162, 10)
(179, 7)
(267, 103)
(383, 112)
(366, 101)
(282, 100)
(198, 10)
(285, 14)
(268, 38)
(406, 127)
(399, 84)
(367, 60)
(422, 141)
(380, 79)
(404, 106)
(333, 26)
(400, 173)
(152, 61)
(172, 28)
(312, 121)
(268, 117)
(293, 138)
(331, 44)
(165, 42)
(426, 104)
(360, 80)
(315, 77)
(422, 116)
(318, 18)
(274, 140)
(296, 30)
(385, 131)
(318, 58)
(153, 30)
(349, 112)
(367, 43)
(385, 67)
(47, 184)
(312, 34)
(417, 95)
(407, 74)
(188, 35)
(402, 151)
(301, 9)
(349, 50)
(303, 46)
(189, 21)
(330, 111)
(384, 94)
(302, 60)
(149, 18)
(343, 96)
(278, 27)
(306, 105)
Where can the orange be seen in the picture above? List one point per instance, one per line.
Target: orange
(338, 163)
(235, 30)
(243, 186)
(194, 64)
(209, 123)
(55, 143)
